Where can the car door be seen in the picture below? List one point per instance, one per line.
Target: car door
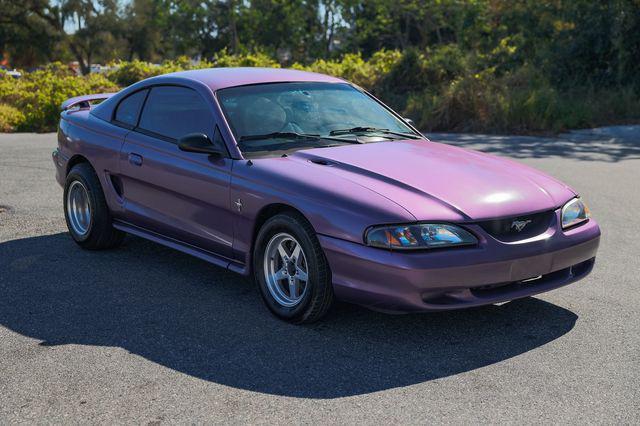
(181, 195)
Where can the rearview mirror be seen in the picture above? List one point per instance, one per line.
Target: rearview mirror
(409, 121)
(198, 142)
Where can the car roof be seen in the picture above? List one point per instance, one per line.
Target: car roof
(212, 79)
(215, 79)
(220, 78)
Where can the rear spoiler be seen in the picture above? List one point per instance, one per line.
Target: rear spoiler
(84, 101)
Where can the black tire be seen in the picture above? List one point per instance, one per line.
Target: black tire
(100, 234)
(318, 296)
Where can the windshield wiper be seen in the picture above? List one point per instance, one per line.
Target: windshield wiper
(291, 135)
(355, 130)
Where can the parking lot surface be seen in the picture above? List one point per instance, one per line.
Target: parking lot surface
(145, 334)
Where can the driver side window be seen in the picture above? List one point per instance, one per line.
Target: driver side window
(172, 112)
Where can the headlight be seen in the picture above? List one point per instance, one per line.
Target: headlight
(418, 236)
(574, 213)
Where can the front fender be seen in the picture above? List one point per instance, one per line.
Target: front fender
(334, 206)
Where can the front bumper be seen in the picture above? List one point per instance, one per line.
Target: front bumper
(492, 272)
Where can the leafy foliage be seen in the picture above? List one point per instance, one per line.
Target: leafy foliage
(354, 68)
(127, 73)
(439, 88)
(482, 65)
(38, 95)
(10, 118)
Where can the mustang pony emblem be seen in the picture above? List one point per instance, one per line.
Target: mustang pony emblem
(519, 224)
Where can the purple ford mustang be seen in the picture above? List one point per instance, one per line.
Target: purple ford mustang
(318, 190)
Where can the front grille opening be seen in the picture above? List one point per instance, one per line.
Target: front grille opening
(504, 289)
(519, 227)
(563, 274)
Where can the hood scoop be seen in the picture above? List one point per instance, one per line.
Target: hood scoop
(321, 162)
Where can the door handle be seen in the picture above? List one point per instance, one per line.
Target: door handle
(135, 159)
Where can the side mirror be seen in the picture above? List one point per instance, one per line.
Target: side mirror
(198, 142)
(409, 121)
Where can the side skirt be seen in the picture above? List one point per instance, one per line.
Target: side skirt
(205, 255)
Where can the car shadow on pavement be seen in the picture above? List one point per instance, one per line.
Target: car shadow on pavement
(200, 320)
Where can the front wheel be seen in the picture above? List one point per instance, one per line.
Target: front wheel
(291, 270)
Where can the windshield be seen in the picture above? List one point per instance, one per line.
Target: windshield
(272, 119)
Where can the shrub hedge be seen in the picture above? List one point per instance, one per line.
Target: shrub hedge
(441, 89)
(38, 95)
(10, 118)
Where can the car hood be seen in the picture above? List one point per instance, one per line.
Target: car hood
(418, 174)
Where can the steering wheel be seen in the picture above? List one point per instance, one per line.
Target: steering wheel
(263, 116)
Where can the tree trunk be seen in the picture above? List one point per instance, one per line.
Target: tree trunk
(232, 26)
(85, 67)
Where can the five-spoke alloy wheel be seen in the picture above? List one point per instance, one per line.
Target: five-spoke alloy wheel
(291, 269)
(285, 269)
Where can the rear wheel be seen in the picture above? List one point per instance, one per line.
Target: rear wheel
(291, 269)
(86, 212)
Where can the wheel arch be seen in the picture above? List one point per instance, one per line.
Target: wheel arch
(265, 213)
(81, 159)
(269, 211)
(75, 160)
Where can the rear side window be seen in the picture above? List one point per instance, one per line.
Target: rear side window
(174, 112)
(129, 108)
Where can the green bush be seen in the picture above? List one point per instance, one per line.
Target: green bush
(519, 102)
(441, 89)
(10, 118)
(127, 73)
(38, 95)
(257, 59)
(354, 68)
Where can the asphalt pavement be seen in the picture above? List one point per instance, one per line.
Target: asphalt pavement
(144, 334)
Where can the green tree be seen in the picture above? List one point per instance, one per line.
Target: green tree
(144, 29)
(25, 33)
(88, 27)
